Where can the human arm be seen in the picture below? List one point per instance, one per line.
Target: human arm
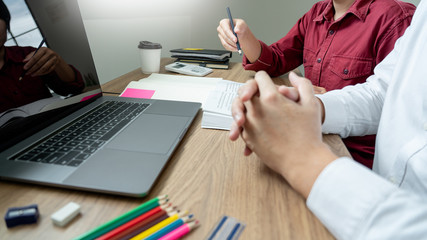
(352, 201)
(62, 78)
(276, 59)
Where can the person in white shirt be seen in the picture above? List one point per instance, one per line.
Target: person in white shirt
(283, 127)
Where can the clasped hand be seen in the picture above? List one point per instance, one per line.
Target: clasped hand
(282, 126)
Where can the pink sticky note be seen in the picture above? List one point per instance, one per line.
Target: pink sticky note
(89, 97)
(138, 93)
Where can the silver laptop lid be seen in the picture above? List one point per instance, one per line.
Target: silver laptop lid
(62, 27)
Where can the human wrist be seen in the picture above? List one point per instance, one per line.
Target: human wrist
(302, 171)
(251, 47)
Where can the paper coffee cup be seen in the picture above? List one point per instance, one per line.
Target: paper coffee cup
(150, 56)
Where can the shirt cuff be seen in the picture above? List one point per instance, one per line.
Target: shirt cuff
(335, 114)
(344, 195)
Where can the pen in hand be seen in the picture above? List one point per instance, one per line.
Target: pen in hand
(232, 28)
(25, 71)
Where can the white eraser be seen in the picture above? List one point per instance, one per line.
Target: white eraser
(65, 214)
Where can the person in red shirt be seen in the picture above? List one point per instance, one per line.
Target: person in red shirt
(339, 42)
(46, 71)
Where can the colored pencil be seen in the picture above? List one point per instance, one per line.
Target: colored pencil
(159, 226)
(130, 233)
(114, 223)
(180, 231)
(169, 228)
(157, 212)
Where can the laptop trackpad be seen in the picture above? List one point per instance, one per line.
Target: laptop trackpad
(150, 133)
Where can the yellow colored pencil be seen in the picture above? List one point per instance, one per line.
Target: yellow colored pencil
(159, 225)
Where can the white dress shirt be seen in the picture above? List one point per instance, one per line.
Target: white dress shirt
(389, 202)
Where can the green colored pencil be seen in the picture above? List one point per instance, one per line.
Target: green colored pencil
(112, 224)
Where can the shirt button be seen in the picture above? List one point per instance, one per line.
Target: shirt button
(425, 126)
(392, 179)
(319, 60)
(345, 71)
(331, 32)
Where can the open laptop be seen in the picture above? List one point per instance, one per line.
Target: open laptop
(88, 141)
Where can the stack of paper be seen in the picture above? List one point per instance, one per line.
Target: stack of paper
(172, 87)
(215, 94)
(217, 108)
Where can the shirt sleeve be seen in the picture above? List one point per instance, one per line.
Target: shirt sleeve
(396, 28)
(355, 203)
(66, 88)
(283, 55)
(356, 110)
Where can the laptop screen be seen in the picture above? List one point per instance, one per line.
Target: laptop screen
(30, 103)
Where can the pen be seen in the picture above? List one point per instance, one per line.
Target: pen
(232, 28)
(25, 71)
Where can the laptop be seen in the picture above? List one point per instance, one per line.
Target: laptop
(88, 141)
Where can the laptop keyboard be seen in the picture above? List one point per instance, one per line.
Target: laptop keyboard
(77, 142)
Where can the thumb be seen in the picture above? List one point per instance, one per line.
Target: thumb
(303, 86)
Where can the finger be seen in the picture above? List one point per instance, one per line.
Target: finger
(36, 61)
(304, 87)
(247, 91)
(227, 31)
(238, 112)
(29, 62)
(227, 45)
(48, 67)
(265, 83)
(319, 90)
(289, 92)
(234, 132)
(28, 57)
(247, 151)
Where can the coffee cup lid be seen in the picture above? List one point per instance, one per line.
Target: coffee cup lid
(149, 45)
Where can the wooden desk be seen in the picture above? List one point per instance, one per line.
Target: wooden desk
(208, 175)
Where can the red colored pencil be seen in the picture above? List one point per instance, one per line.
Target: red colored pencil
(138, 229)
(156, 212)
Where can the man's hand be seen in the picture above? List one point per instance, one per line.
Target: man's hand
(283, 131)
(46, 61)
(42, 63)
(248, 42)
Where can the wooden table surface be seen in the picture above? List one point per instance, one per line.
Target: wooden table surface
(207, 175)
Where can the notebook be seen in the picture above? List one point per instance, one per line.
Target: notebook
(88, 141)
